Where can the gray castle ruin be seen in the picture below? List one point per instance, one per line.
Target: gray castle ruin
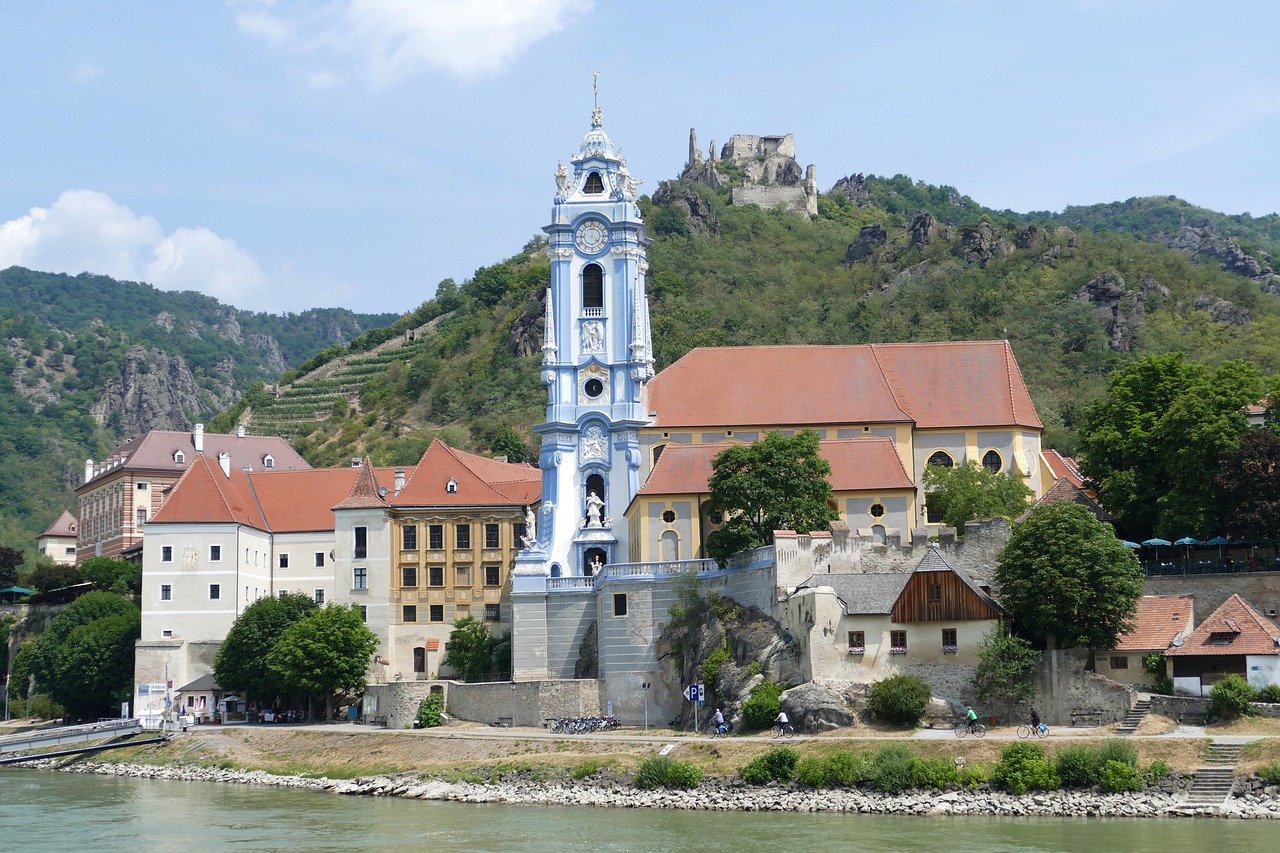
(771, 176)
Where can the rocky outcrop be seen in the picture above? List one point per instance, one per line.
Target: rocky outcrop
(701, 217)
(870, 238)
(923, 230)
(1205, 245)
(525, 338)
(823, 705)
(1222, 311)
(981, 242)
(854, 188)
(1118, 310)
(1029, 236)
(588, 663)
(153, 391)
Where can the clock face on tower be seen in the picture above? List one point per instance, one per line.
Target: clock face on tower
(592, 235)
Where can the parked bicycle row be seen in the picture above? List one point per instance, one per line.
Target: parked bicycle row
(581, 725)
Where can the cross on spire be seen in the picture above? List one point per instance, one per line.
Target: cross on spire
(597, 118)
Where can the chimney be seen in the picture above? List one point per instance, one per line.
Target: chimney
(198, 437)
(224, 459)
(239, 430)
(88, 470)
(399, 480)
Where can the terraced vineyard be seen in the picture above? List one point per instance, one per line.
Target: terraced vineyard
(298, 409)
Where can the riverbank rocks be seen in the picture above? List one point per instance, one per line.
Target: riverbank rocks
(1256, 800)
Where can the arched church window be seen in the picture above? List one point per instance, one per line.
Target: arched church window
(657, 453)
(942, 459)
(992, 461)
(595, 185)
(593, 286)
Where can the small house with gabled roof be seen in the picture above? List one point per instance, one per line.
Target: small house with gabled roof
(868, 626)
(58, 542)
(1233, 640)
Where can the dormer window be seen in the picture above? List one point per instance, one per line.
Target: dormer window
(179, 457)
(268, 461)
(592, 286)
(451, 487)
(594, 185)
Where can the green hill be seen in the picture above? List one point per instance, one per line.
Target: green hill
(896, 261)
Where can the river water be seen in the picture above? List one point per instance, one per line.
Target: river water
(47, 811)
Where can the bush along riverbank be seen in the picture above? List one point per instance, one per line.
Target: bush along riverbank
(893, 780)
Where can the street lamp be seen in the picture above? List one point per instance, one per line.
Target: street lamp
(645, 686)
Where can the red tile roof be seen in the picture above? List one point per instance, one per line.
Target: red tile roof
(364, 492)
(1159, 621)
(205, 494)
(301, 501)
(63, 527)
(480, 481)
(857, 464)
(1063, 466)
(1249, 632)
(936, 385)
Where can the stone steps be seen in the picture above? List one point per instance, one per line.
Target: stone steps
(1213, 783)
(1136, 715)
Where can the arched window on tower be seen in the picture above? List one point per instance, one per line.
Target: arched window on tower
(593, 286)
(595, 185)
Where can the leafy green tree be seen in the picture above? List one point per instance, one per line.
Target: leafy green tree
(48, 575)
(970, 491)
(1006, 669)
(19, 674)
(10, 561)
(470, 649)
(1065, 578)
(777, 483)
(1247, 488)
(240, 664)
(84, 659)
(1153, 448)
(324, 654)
(899, 698)
(508, 443)
(115, 575)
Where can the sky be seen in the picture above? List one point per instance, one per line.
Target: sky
(281, 155)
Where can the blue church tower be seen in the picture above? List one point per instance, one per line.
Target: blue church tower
(597, 355)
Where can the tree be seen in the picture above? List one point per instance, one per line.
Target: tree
(241, 662)
(325, 654)
(1064, 577)
(1006, 669)
(1247, 486)
(777, 483)
(84, 659)
(970, 491)
(118, 576)
(10, 561)
(508, 443)
(470, 649)
(1153, 448)
(48, 575)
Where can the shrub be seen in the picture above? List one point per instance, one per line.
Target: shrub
(711, 666)
(1271, 773)
(1077, 765)
(1023, 768)
(847, 769)
(1157, 771)
(762, 706)
(754, 668)
(1270, 694)
(776, 765)
(899, 699)
(1115, 749)
(431, 711)
(813, 772)
(1117, 776)
(973, 775)
(1232, 697)
(661, 771)
(894, 768)
(936, 772)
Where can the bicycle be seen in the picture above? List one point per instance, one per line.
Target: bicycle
(1027, 730)
(782, 730)
(714, 731)
(963, 729)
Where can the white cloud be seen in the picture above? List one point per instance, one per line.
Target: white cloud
(389, 40)
(86, 72)
(86, 231)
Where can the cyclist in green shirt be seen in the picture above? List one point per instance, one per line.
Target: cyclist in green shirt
(971, 717)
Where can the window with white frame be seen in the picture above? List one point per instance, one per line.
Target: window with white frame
(166, 553)
(284, 561)
(319, 596)
(166, 592)
(215, 553)
(360, 577)
(215, 591)
(319, 559)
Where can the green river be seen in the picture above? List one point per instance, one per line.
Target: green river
(47, 811)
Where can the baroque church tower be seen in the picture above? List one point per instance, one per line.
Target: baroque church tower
(597, 356)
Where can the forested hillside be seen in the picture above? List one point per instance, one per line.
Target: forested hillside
(88, 361)
(885, 260)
